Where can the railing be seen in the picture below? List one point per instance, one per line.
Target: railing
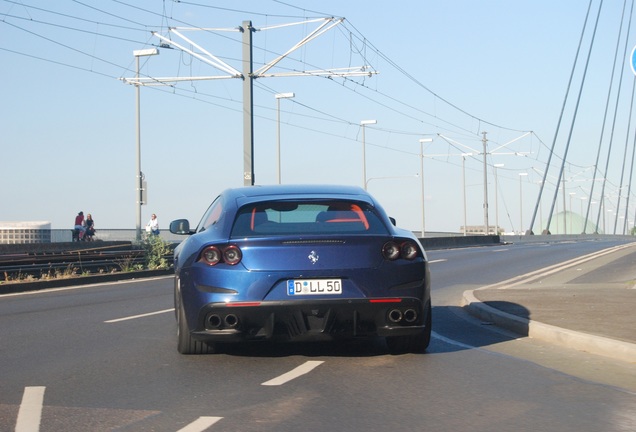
(79, 261)
(129, 235)
(66, 235)
(19, 262)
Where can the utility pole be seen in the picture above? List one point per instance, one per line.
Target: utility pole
(485, 142)
(248, 75)
(140, 187)
(248, 106)
(485, 154)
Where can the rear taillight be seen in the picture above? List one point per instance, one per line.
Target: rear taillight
(232, 255)
(408, 250)
(392, 250)
(212, 255)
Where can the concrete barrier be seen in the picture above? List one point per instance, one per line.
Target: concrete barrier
(442, 241)
(430, 243)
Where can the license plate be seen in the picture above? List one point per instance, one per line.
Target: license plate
(314, 286)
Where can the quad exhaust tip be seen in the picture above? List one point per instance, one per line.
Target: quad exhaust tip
(215, 321)
(231, 320)
(397, 316)
(410, 315)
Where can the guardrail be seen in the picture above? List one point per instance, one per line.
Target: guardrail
(66, 235)
(54, 260)
(455, 241)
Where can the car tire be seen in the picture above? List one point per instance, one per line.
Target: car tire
(412, 344)
(186, 344)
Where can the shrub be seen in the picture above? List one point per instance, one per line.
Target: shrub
(156, 250)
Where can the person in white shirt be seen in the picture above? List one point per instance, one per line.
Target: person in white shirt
(153, 225)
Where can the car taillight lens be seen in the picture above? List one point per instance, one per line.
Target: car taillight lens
(232, 255)
(211, 255)
(408, 250)
(393, 250)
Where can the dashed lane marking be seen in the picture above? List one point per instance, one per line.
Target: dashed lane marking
(30, 413)
(200, 424)
(139, 316)
(294, 373)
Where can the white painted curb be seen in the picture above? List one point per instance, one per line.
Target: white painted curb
(619, 350)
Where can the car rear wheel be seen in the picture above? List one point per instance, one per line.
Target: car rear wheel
(412, 344)
(186, 344)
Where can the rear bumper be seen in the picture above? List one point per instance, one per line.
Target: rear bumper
(306, 320)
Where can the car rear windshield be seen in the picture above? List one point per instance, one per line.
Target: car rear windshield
(306, 217)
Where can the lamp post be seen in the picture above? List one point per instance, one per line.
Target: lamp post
(485, 142)
(422, 141)
(278, 97)
(521, 176)
(500, 165)
(464, 187)
(363, 123)
(138, 175)
(583, 198)
(571, 211)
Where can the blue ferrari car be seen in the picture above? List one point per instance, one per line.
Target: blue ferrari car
(299, 263)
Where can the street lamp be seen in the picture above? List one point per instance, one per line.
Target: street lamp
(363, 123)
(571, 211)
(485, 142)
(583, 198)
(138, 175)
(278, 97)
(521, 175)
(464, 155)
(422, 141)
(500, 165)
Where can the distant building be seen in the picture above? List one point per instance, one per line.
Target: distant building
(25, 232)
(480, 230)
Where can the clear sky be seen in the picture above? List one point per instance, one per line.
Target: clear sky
(447, 70)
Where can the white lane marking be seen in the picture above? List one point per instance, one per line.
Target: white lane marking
(294, 373)
(200, 424)
(438, 260)
(547, 271)
(452, 342)
(30, 412)
(470, 347)
(139, 316)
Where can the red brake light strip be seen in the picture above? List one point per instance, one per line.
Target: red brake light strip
(386, 300)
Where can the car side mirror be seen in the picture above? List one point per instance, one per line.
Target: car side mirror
(393, 221)
(180, 226)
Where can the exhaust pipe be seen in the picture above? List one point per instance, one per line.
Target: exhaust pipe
(410, 315)
(395, 315)
(214, 321)
(231, 320)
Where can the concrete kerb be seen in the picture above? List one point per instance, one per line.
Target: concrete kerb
(38, 285)
(593, 344)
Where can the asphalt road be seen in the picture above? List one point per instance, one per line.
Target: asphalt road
(103, 357)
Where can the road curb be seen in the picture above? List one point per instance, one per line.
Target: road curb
(19, 287)
(593, 344)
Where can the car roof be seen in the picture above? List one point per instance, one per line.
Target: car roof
(290, 191)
